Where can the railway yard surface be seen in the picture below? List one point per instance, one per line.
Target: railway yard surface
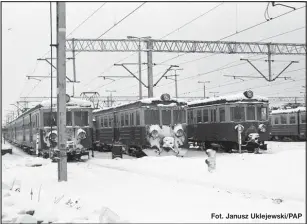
(172, 189)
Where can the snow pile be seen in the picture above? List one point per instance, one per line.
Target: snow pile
(5, 146)
(151, 100)
(72, 103)
(159, 189)
(230, 98)
(295, 110)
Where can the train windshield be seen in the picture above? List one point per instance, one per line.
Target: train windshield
(155, 116)
(179, 116)
(262, 113)
(81, 118)
(50, 120)
(237, 113)
(152, 116)
(250, 112)
(166, 117)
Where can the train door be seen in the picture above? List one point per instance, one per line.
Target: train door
(116, 125)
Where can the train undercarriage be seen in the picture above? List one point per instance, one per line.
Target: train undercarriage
(229, 147)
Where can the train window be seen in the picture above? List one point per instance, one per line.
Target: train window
(152, 116)
(250, 113)
(237, 113)
(105, 121)
(222, 114)
(213, 115)
(137, 115)
(179, 116)
(122, 119)
(48, 120)
(205, 115)
(166, 117)
(101, 121)
(276, 120)
(68, 118)
(132, 119)
(126, 119)
(303, 118)
(283, 119)
(110, 121)
(262, 113)
(198, 116)
(292, 119)
(190, 117)
(81, 118)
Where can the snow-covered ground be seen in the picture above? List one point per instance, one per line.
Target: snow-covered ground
(158, 189)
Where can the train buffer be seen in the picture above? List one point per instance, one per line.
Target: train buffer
(6, 149)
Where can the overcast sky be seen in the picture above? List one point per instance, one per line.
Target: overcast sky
(26, 37)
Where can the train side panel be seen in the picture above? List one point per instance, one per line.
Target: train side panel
(224, 131)
(285, 130)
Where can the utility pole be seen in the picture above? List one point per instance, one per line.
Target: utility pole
(204, 82)
(140, 60)
(175, 75)
(149, 68)
(74, 66)
(61, 89)
(111, 99)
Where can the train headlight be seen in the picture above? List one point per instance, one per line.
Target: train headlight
(179, 133)
(248, 94)
(165, 97)
(53, 137)
(154, 133)
(262, 128)
(81, 134)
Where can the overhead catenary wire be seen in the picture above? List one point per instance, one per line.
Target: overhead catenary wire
(108, 30)
(165, 36)
(248, 28)
(170, 34)
(80, 24)
(196, 18)
(221, 68)
(200, 89)
(84, 21)
(77, 27)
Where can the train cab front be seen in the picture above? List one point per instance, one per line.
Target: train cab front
(166, 127)
(167, 140)
(254, 136)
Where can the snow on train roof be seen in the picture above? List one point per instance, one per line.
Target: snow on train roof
(285, 111)
(144, 101)
(73, 102)
(230, 98)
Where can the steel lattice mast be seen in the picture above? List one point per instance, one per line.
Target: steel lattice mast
(185, 46)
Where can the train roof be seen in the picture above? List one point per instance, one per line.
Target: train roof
(287, 111)
(73, 103)
(158, 101)
(246, 96)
